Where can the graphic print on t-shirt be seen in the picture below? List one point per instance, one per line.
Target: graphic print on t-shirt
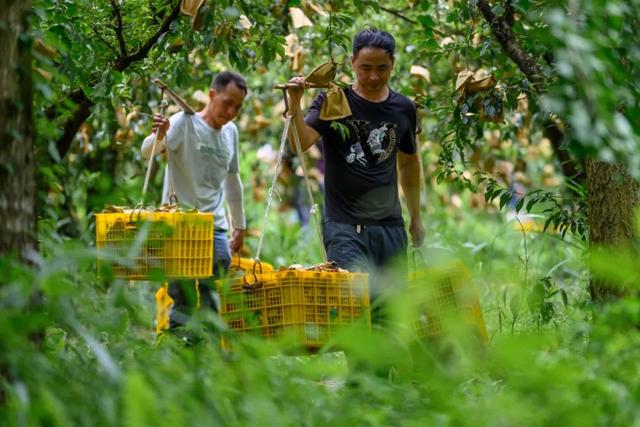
(374, 141)
(373, 144)
(206, 149)
(357, 154)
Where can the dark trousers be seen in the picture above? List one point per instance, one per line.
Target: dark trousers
(184, 292)
(380, 250)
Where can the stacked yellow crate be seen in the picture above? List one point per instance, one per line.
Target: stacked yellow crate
(141, 243)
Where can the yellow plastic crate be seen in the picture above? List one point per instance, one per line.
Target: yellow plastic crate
(141, 243)
(309, 305)
(442, 294)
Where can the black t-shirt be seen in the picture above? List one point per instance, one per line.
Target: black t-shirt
(360, 169)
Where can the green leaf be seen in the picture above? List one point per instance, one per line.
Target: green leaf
(565, 298)
(535, 297)
(505, 198)
(425, 5)
(53, 152)
(514, 305)
(547, 311)
(498, 10)
(426, 21)
(488, 195)
(342, 129)
(546, 223)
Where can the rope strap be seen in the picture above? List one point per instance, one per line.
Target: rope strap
(314, 207)
(163, 107)
(272, 190)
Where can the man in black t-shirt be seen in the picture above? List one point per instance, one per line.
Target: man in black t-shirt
(363, 217)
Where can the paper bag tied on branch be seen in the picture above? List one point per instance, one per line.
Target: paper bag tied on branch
(481, 97)
(335, 105)
(190, 7)
(194, 9)
(293, 50)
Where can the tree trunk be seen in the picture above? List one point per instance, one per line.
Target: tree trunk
(612, 198)
(17, 171)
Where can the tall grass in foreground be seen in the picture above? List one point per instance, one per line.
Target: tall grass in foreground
(75, 350)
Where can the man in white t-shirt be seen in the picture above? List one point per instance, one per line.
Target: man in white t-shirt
(203, 156)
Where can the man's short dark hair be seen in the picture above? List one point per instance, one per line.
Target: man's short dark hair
(373, 37)
(222, 80)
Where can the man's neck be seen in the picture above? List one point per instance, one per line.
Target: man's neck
(208, 118)
(378, 96)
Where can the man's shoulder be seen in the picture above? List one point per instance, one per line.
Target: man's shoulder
(180, 115)
(229, 132)
(230, 127)
(401, 99)
(180, 119)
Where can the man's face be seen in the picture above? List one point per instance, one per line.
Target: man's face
(225, 104)
(372, 66)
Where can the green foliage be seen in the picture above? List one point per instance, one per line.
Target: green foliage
(540, 301)
(342, 129)
(562, 219)
(98, 362)
(596, 86)
(444, 38)
(80, 350)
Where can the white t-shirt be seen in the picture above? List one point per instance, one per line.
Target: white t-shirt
(201, 158)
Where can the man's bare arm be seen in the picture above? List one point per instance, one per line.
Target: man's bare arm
(409, 176)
